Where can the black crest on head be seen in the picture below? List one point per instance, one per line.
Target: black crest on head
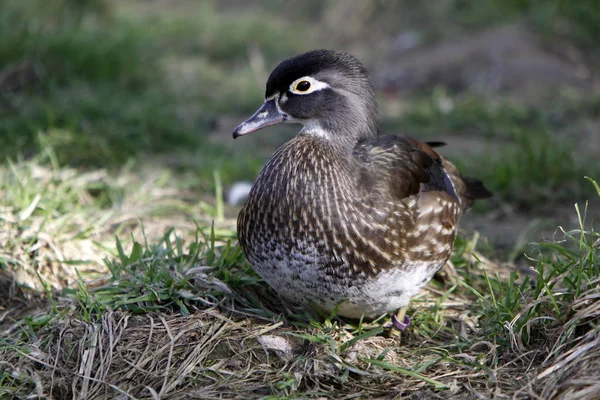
(311, 64)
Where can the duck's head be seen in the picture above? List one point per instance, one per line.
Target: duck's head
(329, 92)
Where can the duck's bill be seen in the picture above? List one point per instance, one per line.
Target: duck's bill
(268, 114)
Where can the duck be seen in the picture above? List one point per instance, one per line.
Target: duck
(342, 217)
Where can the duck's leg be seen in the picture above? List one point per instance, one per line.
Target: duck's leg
(400, 320)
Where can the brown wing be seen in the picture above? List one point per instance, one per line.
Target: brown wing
(400, 167)
(390, 231)
(397, 226)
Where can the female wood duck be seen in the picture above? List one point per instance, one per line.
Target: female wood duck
(341, 216)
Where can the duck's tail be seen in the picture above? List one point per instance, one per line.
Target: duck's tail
(468, 189)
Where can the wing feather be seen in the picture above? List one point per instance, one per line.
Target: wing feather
(400, 167)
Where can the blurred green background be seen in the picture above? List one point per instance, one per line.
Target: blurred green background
(511, 86)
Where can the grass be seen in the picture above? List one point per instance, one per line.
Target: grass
(58, 218)
(118, 253)
(157, 86)
(98, 87)
(191, 318)
(576, 21)
(82, 96)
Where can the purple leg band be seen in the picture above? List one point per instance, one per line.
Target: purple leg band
(400, 325)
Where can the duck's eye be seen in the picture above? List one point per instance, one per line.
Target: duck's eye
(302, 86)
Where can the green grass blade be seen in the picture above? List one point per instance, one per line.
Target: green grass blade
(403, 371)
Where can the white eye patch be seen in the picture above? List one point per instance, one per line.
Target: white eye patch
(307, 85)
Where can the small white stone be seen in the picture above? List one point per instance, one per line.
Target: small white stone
(239, 192)
(279, 344)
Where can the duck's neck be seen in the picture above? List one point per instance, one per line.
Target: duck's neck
(351, 119)
(344, 138)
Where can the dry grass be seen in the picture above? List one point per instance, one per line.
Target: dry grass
(226, 348)
(183, 316)
(57, 225)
